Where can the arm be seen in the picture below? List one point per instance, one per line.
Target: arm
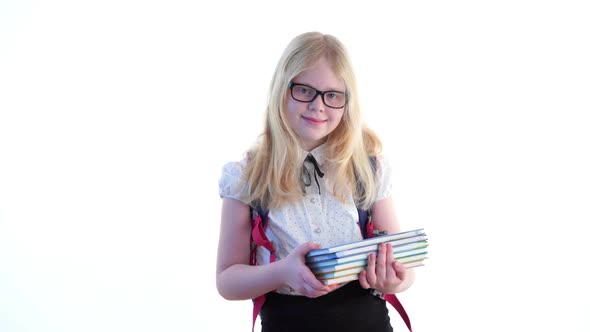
(237, 280)
(383, 273)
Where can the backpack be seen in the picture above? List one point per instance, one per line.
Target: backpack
(258, 238)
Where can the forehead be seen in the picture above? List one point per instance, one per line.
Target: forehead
(321, 76)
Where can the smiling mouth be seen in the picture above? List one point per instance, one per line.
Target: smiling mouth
(312, 120)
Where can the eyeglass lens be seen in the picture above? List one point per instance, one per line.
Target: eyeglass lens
(306, 94)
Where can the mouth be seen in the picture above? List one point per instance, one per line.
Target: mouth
(314, 121)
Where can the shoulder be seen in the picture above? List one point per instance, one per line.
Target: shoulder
(231, 182)
(384, 175)
(382, 163)
(233, 168)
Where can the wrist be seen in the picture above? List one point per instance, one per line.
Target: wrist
(279, 274)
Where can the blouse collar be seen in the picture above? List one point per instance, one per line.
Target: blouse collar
(319, 154)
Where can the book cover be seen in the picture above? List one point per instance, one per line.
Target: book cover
(365, 242)
(361, 248)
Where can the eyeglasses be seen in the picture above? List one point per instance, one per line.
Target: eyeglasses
(307, 94)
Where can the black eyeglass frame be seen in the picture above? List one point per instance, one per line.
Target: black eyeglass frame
(317, 93)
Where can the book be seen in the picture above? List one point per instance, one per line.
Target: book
(366, 242)
(344, 262)
(361, 260)
(398, 251)
(355, 276)
(412, 259)
(360, 247)
(341, 273)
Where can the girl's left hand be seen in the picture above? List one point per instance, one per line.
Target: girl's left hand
(383, 273)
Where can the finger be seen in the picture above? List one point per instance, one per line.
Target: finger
(400, 270)
(370, 274)
(381, 268)
(389, 262)
(308, 291)
(314, 284)
(302, 249)
(329, 289)
(363, 280)
(314, 292)
(333, 287)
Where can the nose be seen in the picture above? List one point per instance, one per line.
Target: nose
(317, 103)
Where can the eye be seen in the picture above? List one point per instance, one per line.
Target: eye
(332, 95)
(304, 90)
(335, 96)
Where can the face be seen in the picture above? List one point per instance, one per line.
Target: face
(314, 121)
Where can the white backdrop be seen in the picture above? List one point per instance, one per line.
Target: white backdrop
(116, 117)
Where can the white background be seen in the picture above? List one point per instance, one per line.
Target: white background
(116, 117)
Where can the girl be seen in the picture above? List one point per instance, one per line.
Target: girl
(310, 169)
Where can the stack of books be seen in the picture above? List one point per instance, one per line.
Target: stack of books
(344, 262)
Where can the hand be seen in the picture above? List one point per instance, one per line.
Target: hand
(297, 276)
(383, 273)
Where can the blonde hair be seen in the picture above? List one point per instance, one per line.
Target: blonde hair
(273, 173)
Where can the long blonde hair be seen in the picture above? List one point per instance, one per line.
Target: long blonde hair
(273, 173)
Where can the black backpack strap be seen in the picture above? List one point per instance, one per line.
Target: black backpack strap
(363, 218)
(365, 215)
(257, 209)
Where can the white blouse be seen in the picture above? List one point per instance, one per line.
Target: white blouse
(318, 217)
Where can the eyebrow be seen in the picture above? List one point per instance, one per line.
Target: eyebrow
(329, 89)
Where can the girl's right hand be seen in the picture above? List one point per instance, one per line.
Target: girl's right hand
(298, 277)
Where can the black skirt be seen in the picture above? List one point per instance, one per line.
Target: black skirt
(349, 308)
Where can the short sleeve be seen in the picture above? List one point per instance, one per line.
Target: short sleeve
(384, 178)
(230, 182)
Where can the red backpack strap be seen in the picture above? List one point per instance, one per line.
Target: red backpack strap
(259, 238)
(258, 303)
(393, 300)
(390, 298)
